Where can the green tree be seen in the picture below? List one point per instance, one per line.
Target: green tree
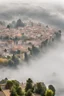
(28, 93)
(15, 59)
(29, 84)
(40, 88)
(19, 23)
(8, 26)
(13, 92)
(51, 87)
(10, 62)
(15, 82)
(0, 88)
(35, 50)
(49, 92)
(26, 56)
(9, 84)
(19, 91)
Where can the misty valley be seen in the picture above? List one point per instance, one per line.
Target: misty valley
(31, 50)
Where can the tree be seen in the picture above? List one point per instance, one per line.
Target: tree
(29, 80)
(35, 50)
(3, 81)
(29, 85)
(15, 59)
(16, 83)
(0, 88)
(30, 50)
(49, 92)
(19, 23)
(26, 56)
(8, 26)
(10, 62)
(19, 91)
(13, 92)
(28, 93)
(51, 87)
(40, 88)
(18, 51)
(9, 84)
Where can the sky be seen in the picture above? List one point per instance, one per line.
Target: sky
(38, 1)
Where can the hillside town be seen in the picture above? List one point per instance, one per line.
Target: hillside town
(20, 43)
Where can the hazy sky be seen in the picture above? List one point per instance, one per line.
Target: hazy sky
(38, 1)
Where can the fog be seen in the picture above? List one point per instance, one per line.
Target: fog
(49, 66)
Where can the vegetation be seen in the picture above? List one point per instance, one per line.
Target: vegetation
(29, 85)
(8, 26)
(19, 23)
(49, 92)
(28, 93)
(30, 89)
(0, 88)
(3, 61)
(3, 81)
(40, 88)
(35, 50)
(9, 84)
(51, 87)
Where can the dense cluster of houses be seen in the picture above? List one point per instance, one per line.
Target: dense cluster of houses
(18, 40)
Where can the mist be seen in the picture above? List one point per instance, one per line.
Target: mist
(49, 66)
(51, 14)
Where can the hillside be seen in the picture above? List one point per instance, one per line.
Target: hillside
(21, 43)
